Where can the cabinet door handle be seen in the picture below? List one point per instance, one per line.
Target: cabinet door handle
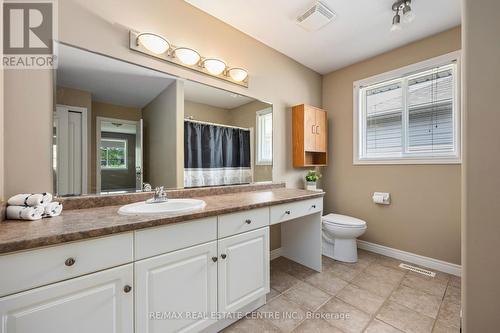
(248, 221)
(287, 212)
(214, 259)
(223, 256)
(127, 288)
(70, 262)
(317, 129)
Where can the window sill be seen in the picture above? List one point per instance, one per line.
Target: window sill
(407, 161)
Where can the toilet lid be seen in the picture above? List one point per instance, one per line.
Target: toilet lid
(343, 220)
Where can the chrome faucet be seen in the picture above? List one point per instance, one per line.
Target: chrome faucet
(159, 196)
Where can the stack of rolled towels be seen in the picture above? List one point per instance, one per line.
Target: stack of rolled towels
(32, 207)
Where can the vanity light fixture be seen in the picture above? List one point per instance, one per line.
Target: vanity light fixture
(187, 56)
(238, 74)
(159, 47)
(214, 66)
(153, 42)
(403, 6)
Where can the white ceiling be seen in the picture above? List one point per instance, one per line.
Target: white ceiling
(360, 30)
(107, 79)
(200, 93)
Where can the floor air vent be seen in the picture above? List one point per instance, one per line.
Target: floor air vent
(418, 270)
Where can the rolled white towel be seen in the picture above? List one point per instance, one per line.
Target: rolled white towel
(24, 213)
(52, 209)
(38, 199)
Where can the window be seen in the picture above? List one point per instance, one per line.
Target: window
(265, 137)
(113, 153)
(410, 115)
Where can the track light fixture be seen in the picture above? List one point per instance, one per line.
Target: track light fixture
(159, 47)
(403, 6)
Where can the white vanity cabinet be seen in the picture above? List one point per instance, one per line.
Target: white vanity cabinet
(173, 289)
(101, 302)
(243, 269)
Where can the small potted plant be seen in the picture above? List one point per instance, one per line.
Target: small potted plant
(312, 179)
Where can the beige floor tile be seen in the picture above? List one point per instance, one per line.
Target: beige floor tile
(316, 326)
(327, 262)
(389, 274)
(377, 285)
(377, 326)
(282, 281)
(344, 316)
(441, 328)
(251, 326)
(345, 271)
(449, 314)
(417, 300)
(391, 262)
(440, 276)
(361, 299)
(283, 313)
(299, 271)
(307, 296)
(367, 255)
(434, 287)
(455, 281)
(272, 294)
(453, 294)
(327, 282)
(404, 318)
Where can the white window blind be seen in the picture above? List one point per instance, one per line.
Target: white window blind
(265, 137)
(412, 116)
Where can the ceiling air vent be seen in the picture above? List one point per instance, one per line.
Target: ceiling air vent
(316, 17)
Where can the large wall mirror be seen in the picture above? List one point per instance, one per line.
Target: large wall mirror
(118, 126)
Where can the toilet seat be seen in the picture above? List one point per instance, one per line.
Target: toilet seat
(343, 221)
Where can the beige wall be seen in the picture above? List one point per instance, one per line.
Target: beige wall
(481, 199)
(204, 112)
(163, 138)
(424, 216)
(245, 116)
(81, 98)
(106, 110)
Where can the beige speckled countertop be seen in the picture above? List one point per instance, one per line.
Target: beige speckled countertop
(80, 224)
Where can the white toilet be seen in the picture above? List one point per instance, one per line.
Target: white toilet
(339, 236)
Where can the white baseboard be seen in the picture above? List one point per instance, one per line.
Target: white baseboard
(276, 253)
(413, 258)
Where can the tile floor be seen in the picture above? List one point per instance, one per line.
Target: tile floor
(374, 295)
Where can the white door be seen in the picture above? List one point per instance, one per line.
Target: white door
(97, 303)
(180, 284)
(243, 269)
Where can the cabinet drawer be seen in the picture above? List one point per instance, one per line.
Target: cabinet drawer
(235, 223)
(293, 210)
(154, 241)
(29, 269)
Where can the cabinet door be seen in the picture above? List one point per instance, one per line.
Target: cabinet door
(180, 284)
(309, 129)
(97, 303)
(321, 130)
(243, 269)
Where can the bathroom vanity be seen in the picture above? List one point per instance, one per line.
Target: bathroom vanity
(103, 272)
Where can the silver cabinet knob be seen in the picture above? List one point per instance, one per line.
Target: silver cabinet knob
(70, 262)
(313, 206)
(223, 256)
(214, 259)
(127, 288)
(248, 221)
(287, 212)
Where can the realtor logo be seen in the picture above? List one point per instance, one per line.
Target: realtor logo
(28, 34)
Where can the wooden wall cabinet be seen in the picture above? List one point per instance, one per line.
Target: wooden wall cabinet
(310, 136)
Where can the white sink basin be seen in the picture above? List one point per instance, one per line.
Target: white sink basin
(172, 206)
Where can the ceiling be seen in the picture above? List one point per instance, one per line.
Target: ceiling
(107, 79)
(360, 30)
(200, 93)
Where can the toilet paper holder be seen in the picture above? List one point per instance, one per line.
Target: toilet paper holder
(381, 198)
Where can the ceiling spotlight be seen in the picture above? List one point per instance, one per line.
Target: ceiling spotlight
(238, 74)
(153, 42)
(408, 15)
(396, 22)
(214, 66)
(187, 56)
(403, 6)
